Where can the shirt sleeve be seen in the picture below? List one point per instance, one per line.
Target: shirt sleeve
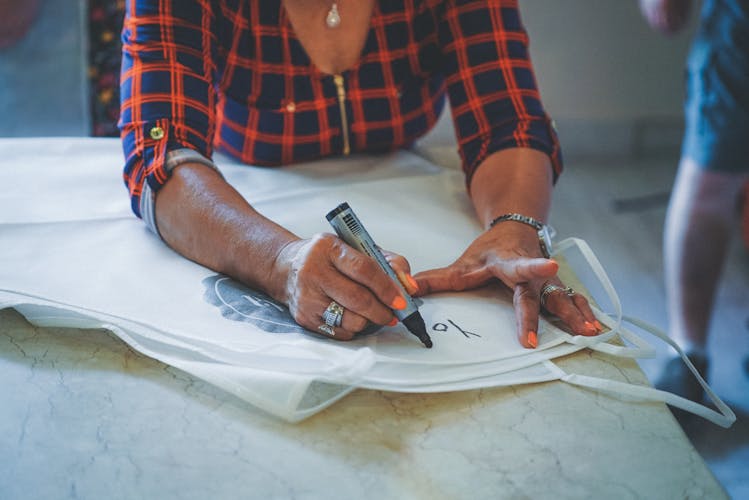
(491, 85)
(167, 95)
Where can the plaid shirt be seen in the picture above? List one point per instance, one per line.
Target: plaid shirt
(231, 75)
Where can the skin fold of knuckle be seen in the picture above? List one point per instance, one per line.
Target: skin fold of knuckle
(456, 278)
(358, 324)
(525, 293)
(363, 303)
(352, 260)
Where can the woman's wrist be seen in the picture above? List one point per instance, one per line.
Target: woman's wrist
(279, 272)
(542, 230)
(512, 181)
(205, 219)
(259, 253)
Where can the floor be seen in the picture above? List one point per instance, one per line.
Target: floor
(618, 207)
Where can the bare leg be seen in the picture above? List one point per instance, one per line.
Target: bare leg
(700, 221)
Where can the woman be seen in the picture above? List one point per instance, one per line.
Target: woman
(712, 176)
(283, 81)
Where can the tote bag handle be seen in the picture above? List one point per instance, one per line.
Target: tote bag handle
(724, 417)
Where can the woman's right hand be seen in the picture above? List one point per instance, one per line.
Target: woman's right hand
(313, 272)
(205, 219)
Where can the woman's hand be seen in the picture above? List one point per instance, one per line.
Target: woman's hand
(513, 180)
(324, 269)
(201, 216)
(510, 252)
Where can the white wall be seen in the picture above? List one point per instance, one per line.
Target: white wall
(612, 85)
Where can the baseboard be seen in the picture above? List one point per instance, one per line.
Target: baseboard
(636, 138)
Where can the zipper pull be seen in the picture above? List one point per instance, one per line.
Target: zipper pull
(341, 89)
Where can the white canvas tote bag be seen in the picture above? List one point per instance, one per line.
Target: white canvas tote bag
(73, 255)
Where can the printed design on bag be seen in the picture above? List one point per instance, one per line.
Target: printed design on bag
(240, 303)
(441, 327)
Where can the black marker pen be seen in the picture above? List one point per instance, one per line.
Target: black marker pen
(350, 229)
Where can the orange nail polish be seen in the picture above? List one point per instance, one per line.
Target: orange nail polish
(393, 322)
(414, 284)
(398, 303)
(590, 327)
(598, 325)
(532, 339)
(408, 282)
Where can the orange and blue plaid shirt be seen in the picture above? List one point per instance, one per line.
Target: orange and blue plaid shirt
(231, 75)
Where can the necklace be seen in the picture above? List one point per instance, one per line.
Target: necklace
(333, 19)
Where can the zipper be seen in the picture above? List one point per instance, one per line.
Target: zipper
(341, 88)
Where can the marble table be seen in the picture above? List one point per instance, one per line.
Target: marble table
(84, 416)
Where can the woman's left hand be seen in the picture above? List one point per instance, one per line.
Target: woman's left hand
(510, 252)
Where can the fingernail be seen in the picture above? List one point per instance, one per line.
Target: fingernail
(414, 285)
(590, 327)
(393, 322)
(398, 303)
(408, 282)
(598, 325)
(532, 339)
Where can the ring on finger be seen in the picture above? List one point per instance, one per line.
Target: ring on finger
(327, 330)
(333, 314)
(550, 288)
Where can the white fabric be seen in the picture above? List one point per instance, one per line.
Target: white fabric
(73, 255)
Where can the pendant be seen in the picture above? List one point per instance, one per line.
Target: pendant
(333, 19)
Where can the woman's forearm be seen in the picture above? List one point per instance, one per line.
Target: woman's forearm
(512, 180)
(206, 220)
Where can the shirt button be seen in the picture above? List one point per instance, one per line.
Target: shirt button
(157, 133)
(291, 107)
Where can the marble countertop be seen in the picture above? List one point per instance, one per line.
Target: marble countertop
(85, 416)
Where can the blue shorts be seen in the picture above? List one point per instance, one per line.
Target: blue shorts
(717, 100)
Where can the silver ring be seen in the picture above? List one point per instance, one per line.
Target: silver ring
(333, 315)
(550, 288)
(327, 330)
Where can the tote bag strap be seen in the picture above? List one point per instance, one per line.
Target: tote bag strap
(638, 348)
(724, 417)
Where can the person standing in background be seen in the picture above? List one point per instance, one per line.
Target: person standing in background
(712, 177)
